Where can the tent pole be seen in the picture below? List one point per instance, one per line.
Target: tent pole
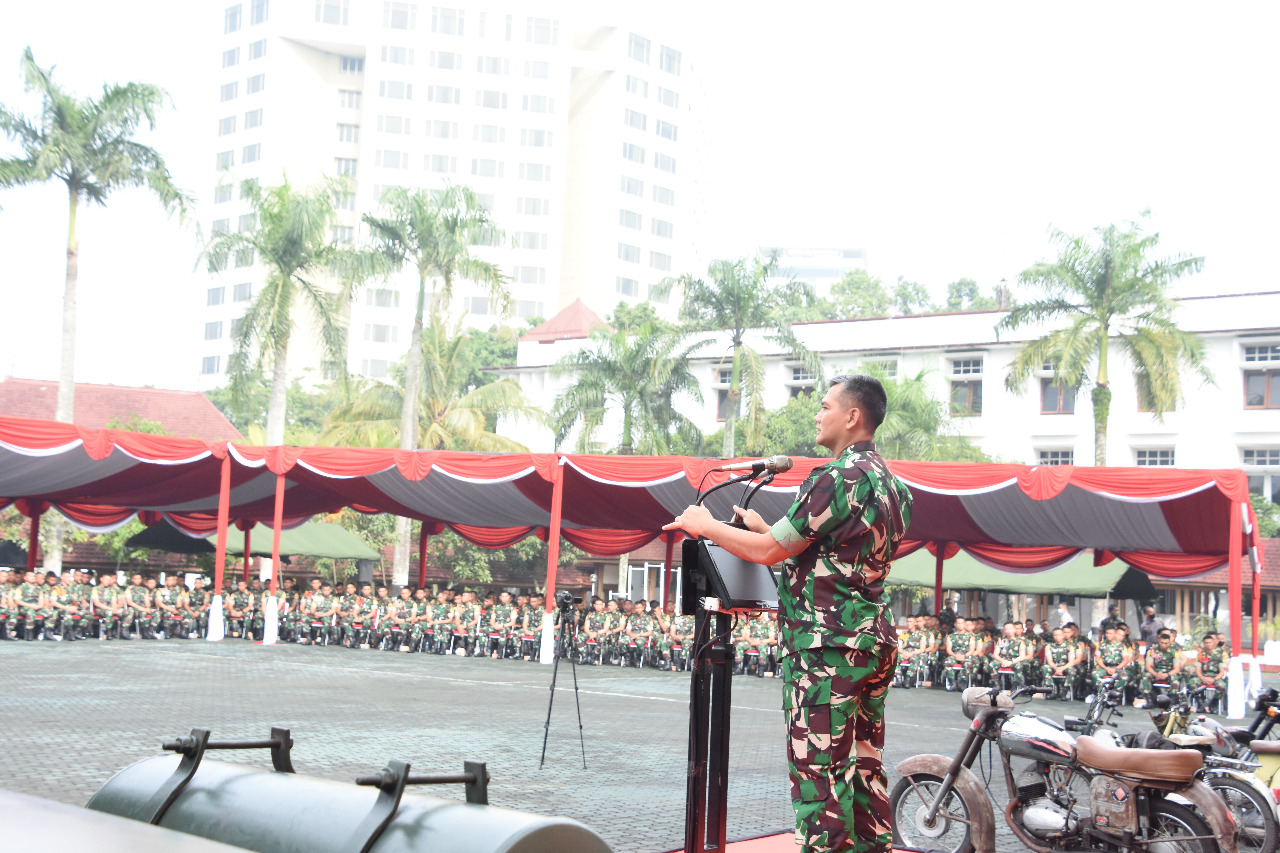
(422, 554)
(1255, 585)
(666, 586)
(33, 541)
(553, 560)
(244, 570)
(937, 580)
(220, 552)
(1234, 585)
(271, 610)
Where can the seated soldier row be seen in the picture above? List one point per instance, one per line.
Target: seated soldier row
(35, 606)
(1069, 664)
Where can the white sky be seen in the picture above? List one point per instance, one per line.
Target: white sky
(944, 139)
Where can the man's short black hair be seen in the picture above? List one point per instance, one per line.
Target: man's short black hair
(858, 390)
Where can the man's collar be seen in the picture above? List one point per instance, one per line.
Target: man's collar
(864, 446)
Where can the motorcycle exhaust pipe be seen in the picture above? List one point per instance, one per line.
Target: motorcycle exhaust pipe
(1022, 835)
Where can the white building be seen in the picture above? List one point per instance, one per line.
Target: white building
(1232, 423)
(818, 267)
(575, 133)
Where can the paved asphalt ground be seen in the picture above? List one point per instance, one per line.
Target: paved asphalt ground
(75, 713)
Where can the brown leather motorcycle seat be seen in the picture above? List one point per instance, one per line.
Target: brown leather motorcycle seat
(1165, 765)
(1265, 747)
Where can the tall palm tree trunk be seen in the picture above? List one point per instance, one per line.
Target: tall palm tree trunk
(66, 373)
(409, 433)
(731, 413)
(65, 411)
(278, 399)
(1101, 401)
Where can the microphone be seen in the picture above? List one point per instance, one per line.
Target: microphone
(777, 464)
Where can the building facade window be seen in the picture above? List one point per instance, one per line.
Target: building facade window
(636, 86)
(664, 162)
(344, 234)
(668, 98)
(1056, 399)
(374, 368)
(533, 206)
(252, 118)
(534, 138)
(638, 48)
(380, 333)
(634, 153)
(1154, 457)
(397, 55)
(213, 330)
(635, 119)
(400, 16)
(659, 261)
(665, 129)
(886, 366)
(229, 91)
(220, 226)
(349, 99)
(333, 12)
(348, 133)
(661, 228)
(1264, 352)
(251, 153)
(486, 168)
(231, 57)
(629, 219)
(256, 83)
(535, 171)
(669, 61)
(345, 166)
(242, 292)
(966, 392)
(215, 296)
(246, 222)
(1262, 465)
(222, 193)
(444, 164)
(629, 253)
(664, 195)
(1055, 457)
(226, 125)
(244, 258)
(632, 186)
(351, 65)
(446, 21)
(627, 286)
(257, 49)
(537, 69)
(210, 365)
(539, 104)
(258, 12)
(399, 89)
(542, 30)
(1262, 389)
(226, 159)
(231, 19)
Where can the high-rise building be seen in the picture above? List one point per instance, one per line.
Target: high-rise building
(572, 132)
(819, 268)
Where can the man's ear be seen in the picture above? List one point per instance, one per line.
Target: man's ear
(853, 418)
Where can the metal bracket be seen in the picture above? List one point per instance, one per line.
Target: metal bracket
(474, 775)
(279, 743)
(390, 783)
(192, 749)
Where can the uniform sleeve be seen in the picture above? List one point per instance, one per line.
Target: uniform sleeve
(817, 513)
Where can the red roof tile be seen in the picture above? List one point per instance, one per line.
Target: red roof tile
(187, 414)
(575, 321)
(1218, 577)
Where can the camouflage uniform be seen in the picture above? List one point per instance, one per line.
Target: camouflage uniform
(106, 609)
(681, 632)
(840, 647)
(1010, 648)
(438, 612)
(759, 629)
(242, 602)
(1162, 662)
(27, 601)
(1111, 654)
(1058, 654)
(170, 596)
(596, 622)
(147, 620)
(197, 616)
(500, 622)
(1213, 664)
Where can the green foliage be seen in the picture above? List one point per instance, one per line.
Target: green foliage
(739, 296)
(136, 423)
(1106, 287)
(304, 419)
(528, 558)
(788, 430)
(910, 297)
(859, 294)
(963, 295)
(88, 144)
(463, 560)
(1268, 515)
(638, 372)
(632, 318)
(451, 416)
(116, 544)
(334, 571)
(494, 348)
(377, 530)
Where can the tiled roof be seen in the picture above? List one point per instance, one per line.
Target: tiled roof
(186, 414)
(575, 321)
(1218, 577)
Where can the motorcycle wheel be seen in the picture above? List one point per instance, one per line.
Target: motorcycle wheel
(1257, 829)
(1174, 829)
(908, 803)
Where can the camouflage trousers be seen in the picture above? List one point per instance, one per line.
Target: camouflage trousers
(1121, 682)
(834, 702)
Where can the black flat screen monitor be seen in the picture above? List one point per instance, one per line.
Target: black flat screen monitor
(738, 583)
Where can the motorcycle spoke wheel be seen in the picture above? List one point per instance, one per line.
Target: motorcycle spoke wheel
(1176, 829)
(1255, 817)
(909, 805)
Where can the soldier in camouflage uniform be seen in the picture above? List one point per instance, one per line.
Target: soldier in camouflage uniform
(1058, 660)
(1210, 668)
(837, 636)
(168, 601)
(961, 647)
(195, 608)
(137, 602)
(503, 622)
(240, 607)
(593, 631)
(108, 606)
(1162, 663)
(639, 630)
(440, 621)
(348, 605)
(7, 613)
(1011, 653)
(756, 634)
(681, 634)
(1110, 661)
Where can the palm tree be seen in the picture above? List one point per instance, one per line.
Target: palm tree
(88, 145)
(740, 297)
(291, 238)
(636, 371)
(1105, 286)
(434, 231)
(450, 415)
(918, 425)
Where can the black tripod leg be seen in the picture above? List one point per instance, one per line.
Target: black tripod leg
(573, 665)
(699, 718)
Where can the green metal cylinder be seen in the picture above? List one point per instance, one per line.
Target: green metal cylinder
(275, 812)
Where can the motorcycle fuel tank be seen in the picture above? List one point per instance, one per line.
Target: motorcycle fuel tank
(1029, 736)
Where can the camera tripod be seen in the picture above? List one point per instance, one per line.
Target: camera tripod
(566, 645)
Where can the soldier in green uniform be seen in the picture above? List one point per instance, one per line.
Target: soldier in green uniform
(756, 635)
(502, 622)
(401, 618)
(240, 608)
(961, 648)
(168, 601)
(466, 622)
(837, 636)
(911, 646)
(1161, 665)
(1110, 661)
(62, 613)
(108, 607)
(592, 635)
(1058, 657)
(439, 622)
(1007, 655)
(1210, 668)
(195, 609)
(8, 614)
(679, 649)
(138, 607)
(531, 627)
(348, 605)
(638, 632)
(324, 612)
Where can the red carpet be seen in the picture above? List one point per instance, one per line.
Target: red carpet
(783, 842)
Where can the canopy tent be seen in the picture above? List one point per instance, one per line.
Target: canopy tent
(1077, 576)
(312, 539)
(1171, 523)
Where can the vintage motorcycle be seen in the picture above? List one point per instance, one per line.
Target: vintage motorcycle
(1074, 794)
